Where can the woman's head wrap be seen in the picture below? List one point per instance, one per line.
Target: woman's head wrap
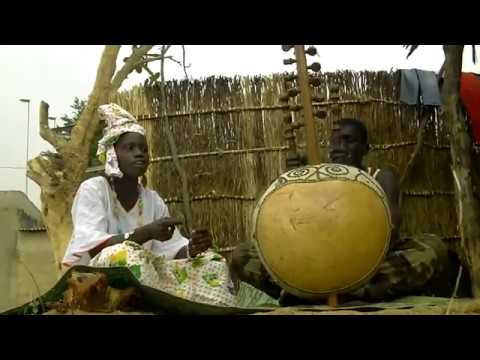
(119, 122)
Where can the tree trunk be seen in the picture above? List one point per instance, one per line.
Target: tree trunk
(56, 210)
(60, 176)
(59, 180)
(467, 206)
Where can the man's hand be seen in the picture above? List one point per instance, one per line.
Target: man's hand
(201, 240)
(162, 229)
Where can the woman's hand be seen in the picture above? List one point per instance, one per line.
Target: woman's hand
(200, 241)
(162, 229)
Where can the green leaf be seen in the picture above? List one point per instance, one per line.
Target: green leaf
(180, 274)
(136, 270)
(249, 296)
(122, 262)
(198, 261)
(212, 279)
(217, 257)
(34, 308)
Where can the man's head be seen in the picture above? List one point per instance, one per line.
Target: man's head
(132, 154)
(348, 142)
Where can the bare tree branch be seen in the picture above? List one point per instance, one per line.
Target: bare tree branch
(179, 63)
(47, 168)
(173, 148)
(174, 60)
(133, 61)
(147, 69)
(412, 49)
(35, 173)
(145, 62)
(87, 123)
(171, 58)
(154, 58)
(441, 71)
(418, 147)
(183, 61)
(149, 60)
(415, 154)
(45, 132)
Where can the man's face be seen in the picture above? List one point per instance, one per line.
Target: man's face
(346, 145)
(132, 154)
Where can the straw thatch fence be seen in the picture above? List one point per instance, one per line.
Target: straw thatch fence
(229, 134)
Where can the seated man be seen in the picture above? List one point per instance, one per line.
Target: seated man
(410, 264)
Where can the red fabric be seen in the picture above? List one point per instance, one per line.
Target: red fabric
(470, 94)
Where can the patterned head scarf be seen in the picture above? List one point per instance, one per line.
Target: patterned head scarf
(119, 122)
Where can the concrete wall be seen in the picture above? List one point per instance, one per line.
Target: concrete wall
(35, 266)
(8, 235)
(31, 247)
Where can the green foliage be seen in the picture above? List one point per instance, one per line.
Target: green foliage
(212, 279)
(197, 261)
(180, 274)
(77, 108)
(69, 121)
(136, 270)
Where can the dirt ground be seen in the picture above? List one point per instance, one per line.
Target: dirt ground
(458, 307)
(80, 312)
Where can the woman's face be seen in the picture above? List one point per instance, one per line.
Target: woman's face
(132, 154)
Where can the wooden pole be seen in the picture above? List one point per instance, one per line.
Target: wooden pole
(332, 300)
(467, 207)
(313, 155)
(304, 86)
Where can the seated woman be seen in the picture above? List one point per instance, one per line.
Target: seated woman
(119, 222)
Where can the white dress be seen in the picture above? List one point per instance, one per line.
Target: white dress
(203, 279)
(94, 221)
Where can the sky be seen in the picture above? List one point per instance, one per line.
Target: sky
(58, 73)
